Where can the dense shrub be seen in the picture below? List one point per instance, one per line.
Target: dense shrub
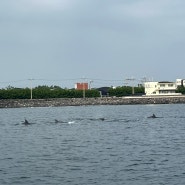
(45, 92)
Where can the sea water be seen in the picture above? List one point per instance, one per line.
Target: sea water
(102, 145)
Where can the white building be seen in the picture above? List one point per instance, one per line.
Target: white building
(160, 88)
(180, 82)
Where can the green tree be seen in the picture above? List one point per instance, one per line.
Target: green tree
(125, 91)
(180, 89)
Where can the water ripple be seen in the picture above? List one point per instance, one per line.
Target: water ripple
(102, 145)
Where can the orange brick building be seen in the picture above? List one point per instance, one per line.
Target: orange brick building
(81, 86)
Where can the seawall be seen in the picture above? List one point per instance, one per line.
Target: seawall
(129, 100)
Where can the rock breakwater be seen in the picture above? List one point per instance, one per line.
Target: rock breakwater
(131, 100)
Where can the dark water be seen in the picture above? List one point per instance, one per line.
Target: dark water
(124, 148)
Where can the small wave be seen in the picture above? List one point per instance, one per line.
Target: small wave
(24, 177)
(123, 120)
(64, 122)
(131, 165)
(47, 138)
(180, 117)
(71, 122)
(8, 158)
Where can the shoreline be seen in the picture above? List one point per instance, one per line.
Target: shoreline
(59, 102)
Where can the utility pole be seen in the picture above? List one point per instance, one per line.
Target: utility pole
(91, 81)
(143, 80)
(84, 87)
(131, 79)
(31, 93)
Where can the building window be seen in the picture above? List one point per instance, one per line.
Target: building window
(162, 85)
(170, 85)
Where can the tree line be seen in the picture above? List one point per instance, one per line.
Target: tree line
(46, 92)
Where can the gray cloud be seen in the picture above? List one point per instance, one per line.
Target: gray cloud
(105, 39)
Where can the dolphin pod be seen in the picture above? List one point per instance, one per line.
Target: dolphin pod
(26, 122)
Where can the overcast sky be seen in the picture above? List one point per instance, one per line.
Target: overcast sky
(60, 42)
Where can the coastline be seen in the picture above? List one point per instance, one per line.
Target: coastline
(58, 102)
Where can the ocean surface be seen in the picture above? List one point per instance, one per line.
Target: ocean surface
(85, 145)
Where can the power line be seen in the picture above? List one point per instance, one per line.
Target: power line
(15, 81)
(58, 80)
(67, 81)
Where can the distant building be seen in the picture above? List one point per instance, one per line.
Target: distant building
(180, 82)
(81, 86)
(161, 88)
(104, 91)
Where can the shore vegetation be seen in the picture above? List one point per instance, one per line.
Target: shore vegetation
(46, 92)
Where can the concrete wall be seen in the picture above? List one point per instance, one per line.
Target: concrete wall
(91, 101)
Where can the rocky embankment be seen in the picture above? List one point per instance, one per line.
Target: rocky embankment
(92, 101)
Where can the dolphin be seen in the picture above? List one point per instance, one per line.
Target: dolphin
(59, 121)
(153, 116)
(26, 122)
(56, 121)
